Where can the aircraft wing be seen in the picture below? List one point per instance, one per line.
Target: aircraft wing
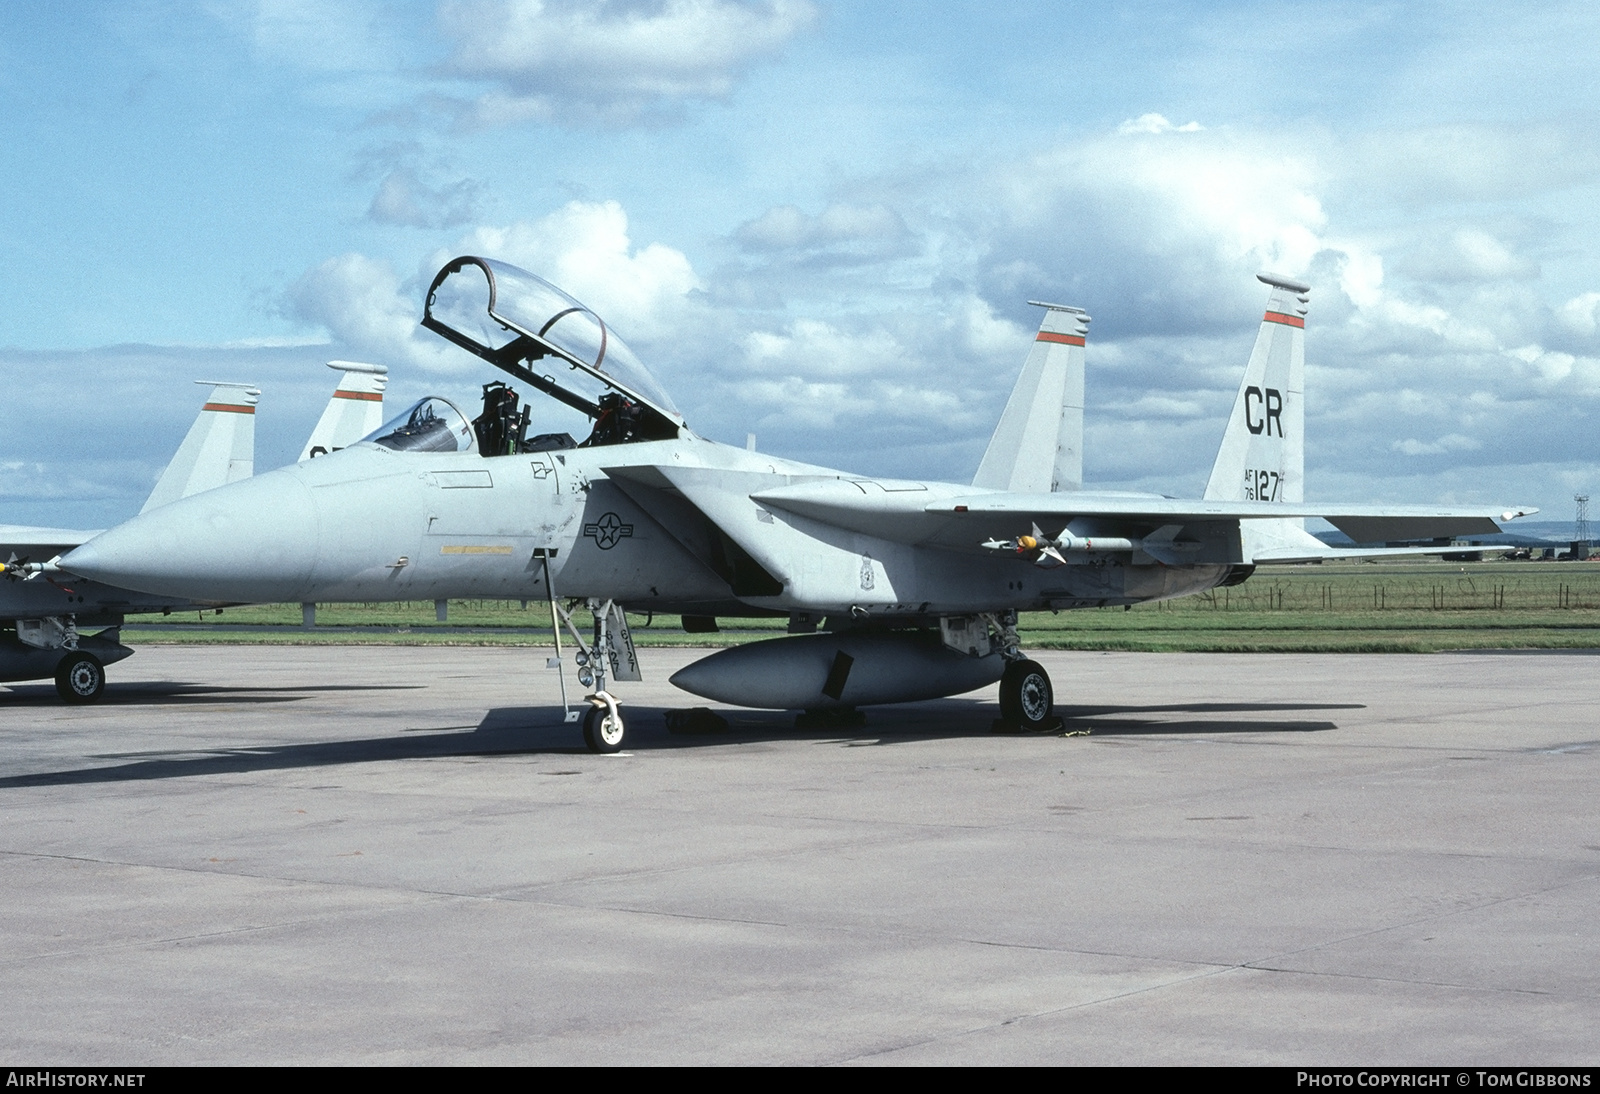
(16, 536)
(698, 502)
(920, 513)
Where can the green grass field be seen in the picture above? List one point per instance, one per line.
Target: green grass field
(1415, 607)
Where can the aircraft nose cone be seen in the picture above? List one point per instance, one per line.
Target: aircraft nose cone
(251, 541)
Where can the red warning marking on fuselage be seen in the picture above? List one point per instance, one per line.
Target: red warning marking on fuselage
(229, 408)
(366, 396)
(1061, 339)
(1286, 320)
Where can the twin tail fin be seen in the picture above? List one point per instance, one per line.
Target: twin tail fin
(1038, 446)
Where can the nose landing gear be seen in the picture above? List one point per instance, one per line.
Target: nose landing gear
(603, 729)
(611, 654)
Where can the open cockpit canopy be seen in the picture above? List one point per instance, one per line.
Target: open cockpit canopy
(516, 321)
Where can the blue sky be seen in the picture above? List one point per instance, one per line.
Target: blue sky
(818, 222)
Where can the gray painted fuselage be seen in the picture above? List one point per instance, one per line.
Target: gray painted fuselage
(655, 525)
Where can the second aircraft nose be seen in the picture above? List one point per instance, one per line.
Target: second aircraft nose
(251, 541)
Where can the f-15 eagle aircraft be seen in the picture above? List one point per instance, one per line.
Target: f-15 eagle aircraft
(42, 609)
(895, 590)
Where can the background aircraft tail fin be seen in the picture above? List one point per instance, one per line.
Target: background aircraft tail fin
(220, 447)
(355, 410)
(1038, 445)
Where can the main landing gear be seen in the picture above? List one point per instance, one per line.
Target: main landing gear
(1027, 701)
(80, 678)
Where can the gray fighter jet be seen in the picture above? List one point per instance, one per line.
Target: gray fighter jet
(42, 608)
(895, 590)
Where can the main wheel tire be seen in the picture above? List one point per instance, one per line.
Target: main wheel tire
(602, 732)
(80, 678)
(1026, 697)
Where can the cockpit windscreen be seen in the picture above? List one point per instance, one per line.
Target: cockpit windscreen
(429, 425)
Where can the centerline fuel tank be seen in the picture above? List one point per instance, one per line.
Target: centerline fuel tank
(836, 670)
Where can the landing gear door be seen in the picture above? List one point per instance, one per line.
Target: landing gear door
(619, 646)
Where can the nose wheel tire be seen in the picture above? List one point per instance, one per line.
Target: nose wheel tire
(1027, 700)
(603, 731)
(80, 678)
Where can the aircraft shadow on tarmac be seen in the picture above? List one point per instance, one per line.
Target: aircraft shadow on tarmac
(964, 718)
(507, 731)
(162, 692)
(1122, 721)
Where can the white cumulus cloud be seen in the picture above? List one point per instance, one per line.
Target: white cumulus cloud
(1453, 442)
(577, 61)
(585, 248)
(1578, 314)
(1156, 123)
(403, 198)
(873, 229)
(363, 304)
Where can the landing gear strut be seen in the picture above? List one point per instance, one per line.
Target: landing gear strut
(611, 653)
(1027, 701)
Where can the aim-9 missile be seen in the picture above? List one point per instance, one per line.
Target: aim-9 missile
(1051, 550)
(29, 570)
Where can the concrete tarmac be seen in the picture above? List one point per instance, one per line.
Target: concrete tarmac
(399, 855)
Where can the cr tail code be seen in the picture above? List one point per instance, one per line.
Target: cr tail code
(1263, 410)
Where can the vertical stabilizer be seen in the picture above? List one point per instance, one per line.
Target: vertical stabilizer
(1038, 445)
(1263, 453)
(220, 447)
(355, 410)
(1263, 449)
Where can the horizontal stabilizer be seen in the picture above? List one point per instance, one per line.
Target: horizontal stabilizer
(1379, 528)
(1345, 554)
